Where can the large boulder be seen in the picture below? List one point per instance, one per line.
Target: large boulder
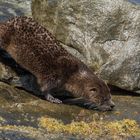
(105, 33)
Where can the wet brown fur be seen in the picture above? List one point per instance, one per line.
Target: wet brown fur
(36, 49)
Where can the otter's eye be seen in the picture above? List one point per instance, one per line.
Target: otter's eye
(93, 89)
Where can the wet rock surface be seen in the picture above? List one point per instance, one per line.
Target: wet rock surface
(20, 114)
(105, 33)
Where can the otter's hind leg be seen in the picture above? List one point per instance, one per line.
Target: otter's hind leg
(52, 99)
(47, 92)
(48, 86)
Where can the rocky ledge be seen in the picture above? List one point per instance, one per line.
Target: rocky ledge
(25, 116)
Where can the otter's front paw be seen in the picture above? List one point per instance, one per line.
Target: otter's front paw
(50, 98)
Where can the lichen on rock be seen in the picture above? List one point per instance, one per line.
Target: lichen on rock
(124, 127)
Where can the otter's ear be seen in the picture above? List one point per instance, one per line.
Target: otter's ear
(68, 64)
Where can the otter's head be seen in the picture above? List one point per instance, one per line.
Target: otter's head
(95, 91)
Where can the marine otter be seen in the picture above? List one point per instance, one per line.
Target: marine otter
(34, 48)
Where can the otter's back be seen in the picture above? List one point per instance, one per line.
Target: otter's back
(32, 45)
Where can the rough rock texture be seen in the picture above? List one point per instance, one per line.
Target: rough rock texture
(20, 114)
(10, 8)
(106, 34)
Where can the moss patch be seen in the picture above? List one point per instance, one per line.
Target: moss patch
(124, 127)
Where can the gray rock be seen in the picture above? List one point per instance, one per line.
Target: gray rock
(105, 33)
(11, 8)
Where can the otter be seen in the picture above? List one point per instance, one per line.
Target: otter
(34, 48)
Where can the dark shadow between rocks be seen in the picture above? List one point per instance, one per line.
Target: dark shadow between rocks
(6, 59)
(117, 91)
(26, 81)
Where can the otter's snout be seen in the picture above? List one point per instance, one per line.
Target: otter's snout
(107, 106)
